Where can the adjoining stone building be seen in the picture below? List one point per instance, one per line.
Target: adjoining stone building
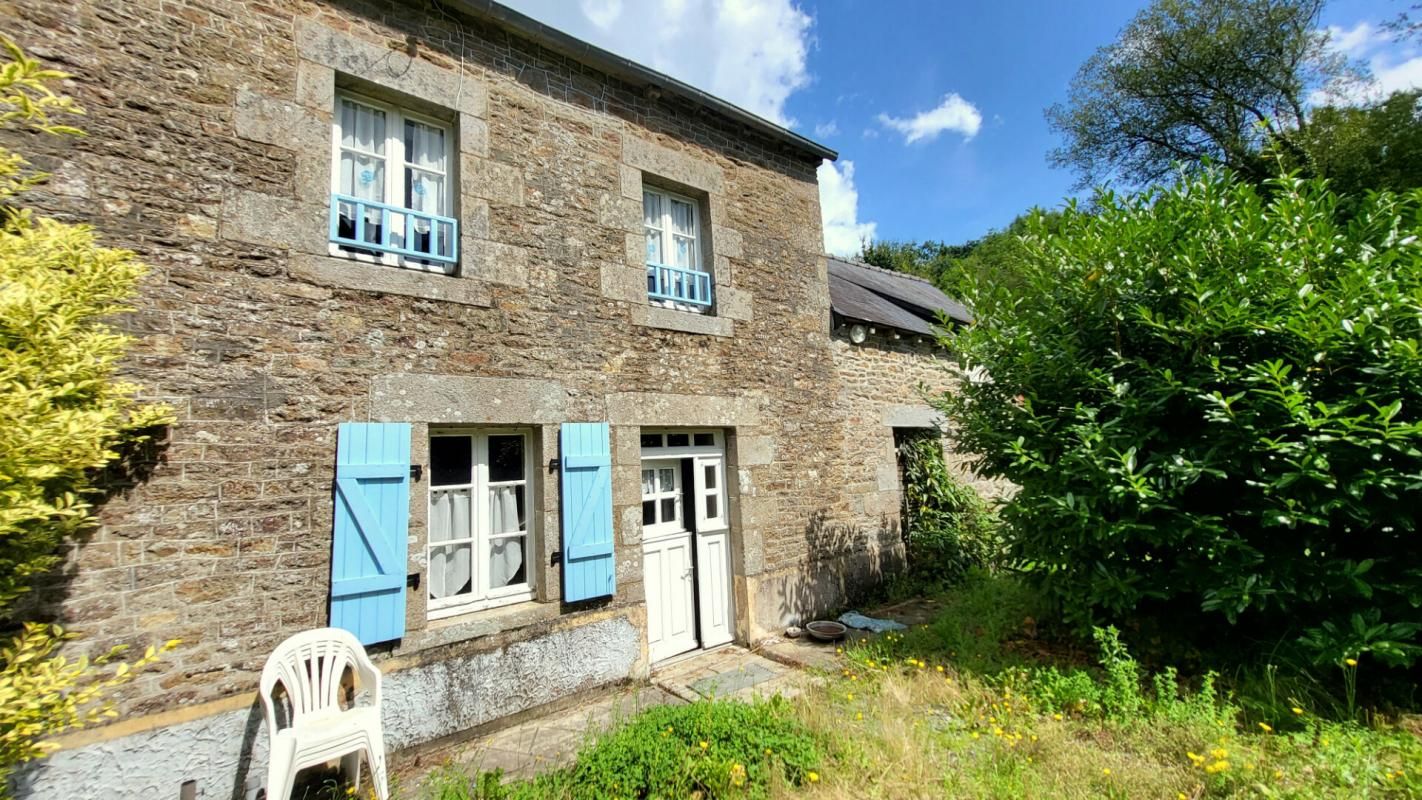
(511, 356)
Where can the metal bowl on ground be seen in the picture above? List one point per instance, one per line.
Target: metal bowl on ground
(826, 630)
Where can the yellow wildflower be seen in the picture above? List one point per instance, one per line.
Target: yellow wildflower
(859, 715)
(940, 667)
(1264, 727)
(1297, 711)
(812, 776)
(1219, 753)
(704, 745)
(1195, 758)
(1105, 770)
(1218, 766)
(1057, 717)
(1352, 662)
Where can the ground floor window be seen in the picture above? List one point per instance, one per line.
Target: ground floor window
(479, 547)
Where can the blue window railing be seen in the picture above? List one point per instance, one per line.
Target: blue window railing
(370, 225)
(690, 286)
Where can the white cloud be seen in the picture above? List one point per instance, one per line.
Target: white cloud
(1394, 67)
(750, 52)
(824, 130)
(839, 209)
(953, 114)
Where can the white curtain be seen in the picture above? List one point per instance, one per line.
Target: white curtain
(505, 555)
(424, 150)
(652, 225)
(684, 234)
(363, 159)
(450, 566)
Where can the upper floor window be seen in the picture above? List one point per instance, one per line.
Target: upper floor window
(391, 188)
(479, 546)
(675, 274)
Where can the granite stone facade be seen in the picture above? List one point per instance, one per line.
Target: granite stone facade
(208, 152)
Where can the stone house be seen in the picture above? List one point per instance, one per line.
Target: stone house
(511, 356)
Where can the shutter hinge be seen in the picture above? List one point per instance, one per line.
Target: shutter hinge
(555, 558)
(413, 580)
(417, 471)
(553, 465)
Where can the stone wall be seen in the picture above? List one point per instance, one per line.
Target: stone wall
(208, 153)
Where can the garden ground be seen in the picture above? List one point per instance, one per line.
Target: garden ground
(972, 704)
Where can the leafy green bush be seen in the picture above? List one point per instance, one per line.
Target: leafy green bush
(1211, 397)
(947, 526)
(714, 749)
(63, 415)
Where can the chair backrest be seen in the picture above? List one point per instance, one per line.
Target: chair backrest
(310, 666)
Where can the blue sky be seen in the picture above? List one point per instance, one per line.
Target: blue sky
(935, 107)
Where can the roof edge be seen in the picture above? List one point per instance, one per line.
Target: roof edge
(627, 69)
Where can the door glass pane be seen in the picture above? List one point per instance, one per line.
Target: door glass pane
(684, 255)
(710, 476)
(506, 562)
(649, 482)
(713, 509)
(451, 460)
(678, 440)
(424, 145)
(649, 512)
(506, 510)
(362, 127)
(651, 440)
(505, 458)
(666, 479)
(668, 509)
(451, 571)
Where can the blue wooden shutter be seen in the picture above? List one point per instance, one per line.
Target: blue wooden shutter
(588, 566)
(370, 533)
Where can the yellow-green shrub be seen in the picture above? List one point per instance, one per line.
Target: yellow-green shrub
(63, 414)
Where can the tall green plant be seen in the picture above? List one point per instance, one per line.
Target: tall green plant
(62, 416)
(947, 526)
(1211, 397)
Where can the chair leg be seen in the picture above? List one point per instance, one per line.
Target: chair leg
(375, 757)
(350, 768)
(281, 773)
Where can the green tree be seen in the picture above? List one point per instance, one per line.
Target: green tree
(956, 268)
(1362, 149)
(1210, 396)
(63, 414)
(1191, 81)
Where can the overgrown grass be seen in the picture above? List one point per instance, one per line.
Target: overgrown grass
(977, 705)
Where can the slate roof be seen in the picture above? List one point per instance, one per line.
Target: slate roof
(884, 297)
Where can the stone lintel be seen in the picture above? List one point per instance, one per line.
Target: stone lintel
(462, 399)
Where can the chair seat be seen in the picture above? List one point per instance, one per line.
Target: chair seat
(326, 736)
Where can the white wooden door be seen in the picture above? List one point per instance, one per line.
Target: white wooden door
(667, 574)
(713, 584)
(713, 552)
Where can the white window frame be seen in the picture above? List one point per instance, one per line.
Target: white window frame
(395, 117)
(677, 524)
(701, 456)
(481, 596)
(667, 232)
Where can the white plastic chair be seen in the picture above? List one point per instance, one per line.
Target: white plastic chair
(311, 666)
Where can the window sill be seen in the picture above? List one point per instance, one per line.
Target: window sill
(351, 273)
(474, 624)
(686, 322)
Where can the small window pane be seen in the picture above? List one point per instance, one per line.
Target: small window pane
(651, 440)
(649, 482)
(678, 440)
(505, 458)
(449, 514)
(710, 476)
(649, 512)
(683, 218)
(507, 513)
(451, 460)
(506, 562)
(451, 571)
(424, 145)
(668, 509)
(666, 479)
(712, 509)
(705, 439)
